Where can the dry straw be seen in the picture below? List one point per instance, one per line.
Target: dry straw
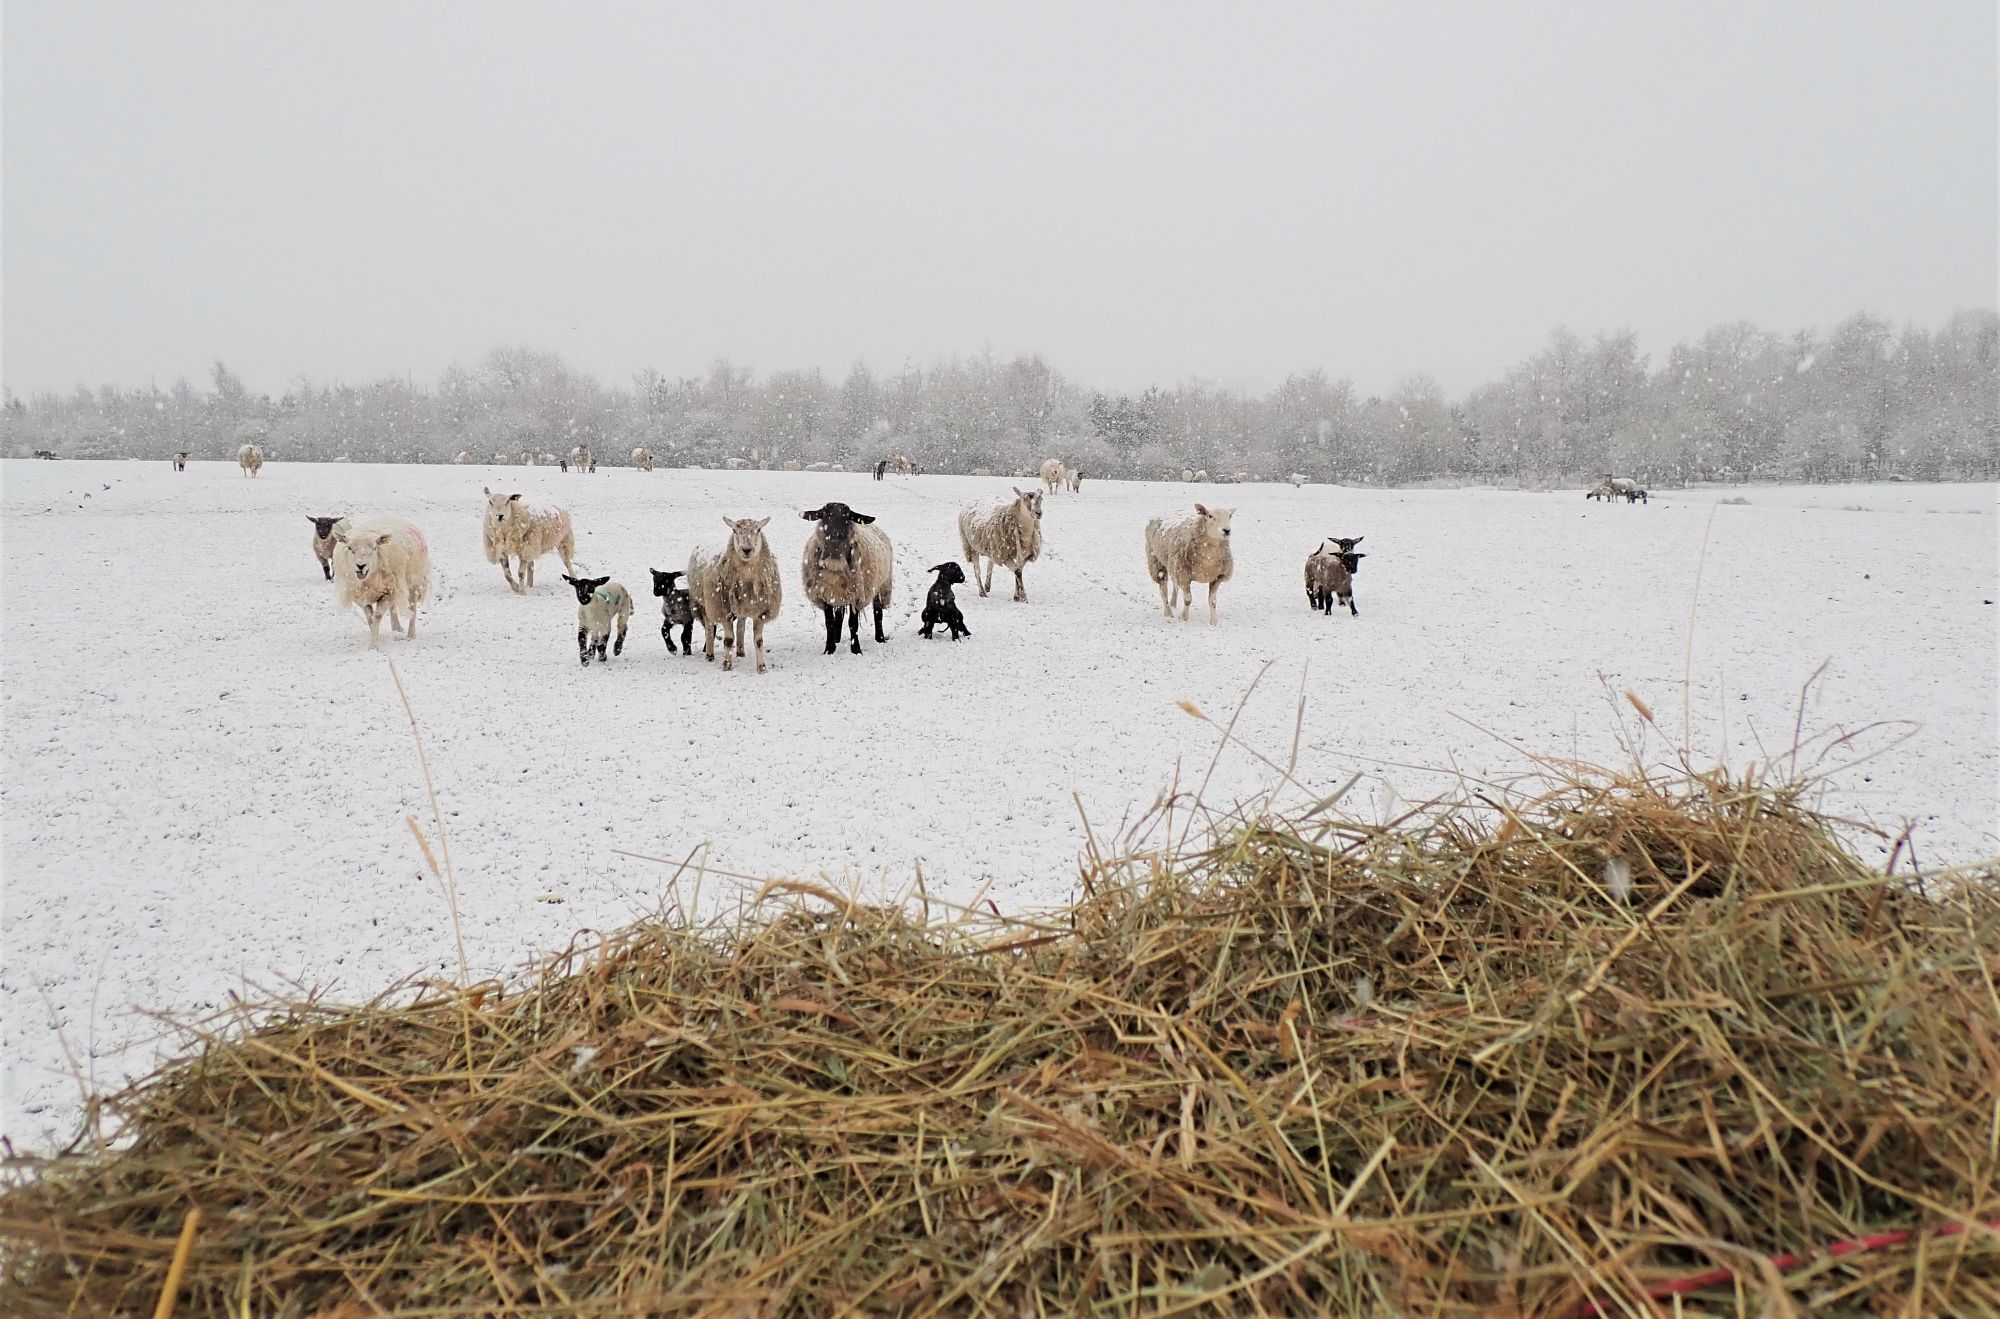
(1311, 1067)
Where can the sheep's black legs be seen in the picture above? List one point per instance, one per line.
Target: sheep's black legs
(619, 648)
(582, 646)
(880, 638)
(327, 568)
(687, 634)
(854, 628)
(832, 628)
(667, 635)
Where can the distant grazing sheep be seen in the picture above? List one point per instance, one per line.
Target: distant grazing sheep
(463, 458)
(181, 461)
(1185, 550)
(599, 603)
(1297, 479)
(1187, 474)
(323, 529)
(1201, 476)
(733, 585)
(676, 610)
(1330, 574)
(642, 459)
(525, 530)
(1002, 531)
(1618, 487)
(849, 566)
(940, 606)
(250, 458)
(1052, 475)
(527, 459)
(382, 565)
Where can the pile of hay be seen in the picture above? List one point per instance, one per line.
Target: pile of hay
(1504, 1062)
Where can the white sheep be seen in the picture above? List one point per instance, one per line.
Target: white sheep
(250, 458)
(382, 564)
(1186, 550)
(1052, 474)
(581, 459)
(525, 530)
(849, 566)
(1297, 479)
(1002, 531)
(733, 584)
(599, 603)
(642, 459)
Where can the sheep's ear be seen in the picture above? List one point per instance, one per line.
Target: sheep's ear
(382, 539)
(1357, 540)
(486, 490)
(727, 523)
(812, 514)
(1202, 509)
(1359, 556)
(763, 523)
(512, 498)
(862, 517)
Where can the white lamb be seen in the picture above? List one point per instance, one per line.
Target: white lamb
(250, 458)
(1186, 550)
(734, 584)
(382, 564)
(600, 602)
(525, 530)
(1002, 531)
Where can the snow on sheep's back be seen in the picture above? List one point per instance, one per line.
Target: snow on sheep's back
(206, 772)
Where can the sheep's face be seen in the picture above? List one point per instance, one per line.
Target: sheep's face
(585, 587)
(949, 573)
(746, 535)
(836, 521)
(323, 527)
(499, 508)
(1214, 522)
(663, 582)
(1031, 498)
(365, 551)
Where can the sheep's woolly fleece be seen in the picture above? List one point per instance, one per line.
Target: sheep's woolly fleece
(195, 795)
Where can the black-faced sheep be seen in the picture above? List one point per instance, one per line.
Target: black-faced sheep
(323, 529)
(600, 602)
(1074, 477)
(383, 565)
(1330, 574)
(940, 606)
(734, 585)
(1185, 550)
(522, 531)
(1002, 531)
(250, 458)
(676, 610)
(849, 565)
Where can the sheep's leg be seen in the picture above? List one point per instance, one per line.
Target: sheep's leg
(374, 626)
(1184, 592)
(708, 648)
(619, 647)
(881, 637)
(986, 582)
(832, 621)
(1020, 586)
(583, 645)
(528, 570)
(395, 617)
(326, 566)
(760, 642)
(1159, 576)
(507, 568)
(1213, 587)
(854, 628)
(1351, 610)
(667, 635)
(687, 632)
(732, 640)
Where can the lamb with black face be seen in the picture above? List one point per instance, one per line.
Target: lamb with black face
(940, 606)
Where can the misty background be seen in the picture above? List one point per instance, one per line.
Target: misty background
(1325, 239)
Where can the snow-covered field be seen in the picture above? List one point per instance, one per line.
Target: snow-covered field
(207, 773)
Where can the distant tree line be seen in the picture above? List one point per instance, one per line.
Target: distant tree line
(1739, 403)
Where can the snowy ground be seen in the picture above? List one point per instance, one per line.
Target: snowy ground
(206, 772)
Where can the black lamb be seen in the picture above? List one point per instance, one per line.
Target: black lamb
(940, 607)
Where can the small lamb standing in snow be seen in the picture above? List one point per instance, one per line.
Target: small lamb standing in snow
(1188, 550)
(849, 565)
(251, 459)
(1002, 531)
(940, 606)
(181, 461)
(599, 601)
(676, 609)
(1330, 574)
(1073, 477)
(642, 459)
(733, 585)
(524, 531)
(382, 564)
(323, 529)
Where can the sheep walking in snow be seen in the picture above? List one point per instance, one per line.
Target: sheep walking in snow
(181, 461)
(1002, 531)
(676, 610)
(1330, 573)
(251, 459)
(599, 603)
(524, 530)
(1052, 475)
(734, 585)
(940, 606)
(323, 529)
(642, 459)
(1618, 487)
(382, 565)
(1186, 550)
(848, 566)
(1073, 478)
(582, 459)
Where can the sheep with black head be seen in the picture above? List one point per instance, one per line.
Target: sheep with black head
(600, 601)
(849, 565)
(940, 606)
(676, 610)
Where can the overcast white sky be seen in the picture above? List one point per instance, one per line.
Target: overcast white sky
(1142, 192)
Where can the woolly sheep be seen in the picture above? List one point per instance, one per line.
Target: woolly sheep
(849, 565)
(525, 530)
(582, 459)
(323, 529)
(463, 457)
(599, 602)
(1002, 531)
(1186, 550)
(642, 459)
(734, 584)
(181, 461)
(1052, 474)
(250, 458)
(382, 564)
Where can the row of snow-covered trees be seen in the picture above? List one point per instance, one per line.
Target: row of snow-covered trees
(1738, 403)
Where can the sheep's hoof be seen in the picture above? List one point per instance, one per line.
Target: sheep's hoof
(761, 668)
